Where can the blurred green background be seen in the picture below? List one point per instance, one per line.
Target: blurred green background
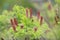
(8, 4)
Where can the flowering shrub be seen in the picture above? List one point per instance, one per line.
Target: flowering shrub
(20, 24)
(28, 25)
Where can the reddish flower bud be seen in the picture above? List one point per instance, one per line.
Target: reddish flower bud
(26, 12)
(14, 28)
(38, 15)
(30, 13)
(49, 7)
(41, 20)
(21, 26)
(35, 29)
(13, 25)
(15, 21)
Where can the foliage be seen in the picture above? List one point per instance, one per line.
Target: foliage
(29, 27)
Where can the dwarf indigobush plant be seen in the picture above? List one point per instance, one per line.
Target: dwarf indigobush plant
(28, 25)
(24, 24)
